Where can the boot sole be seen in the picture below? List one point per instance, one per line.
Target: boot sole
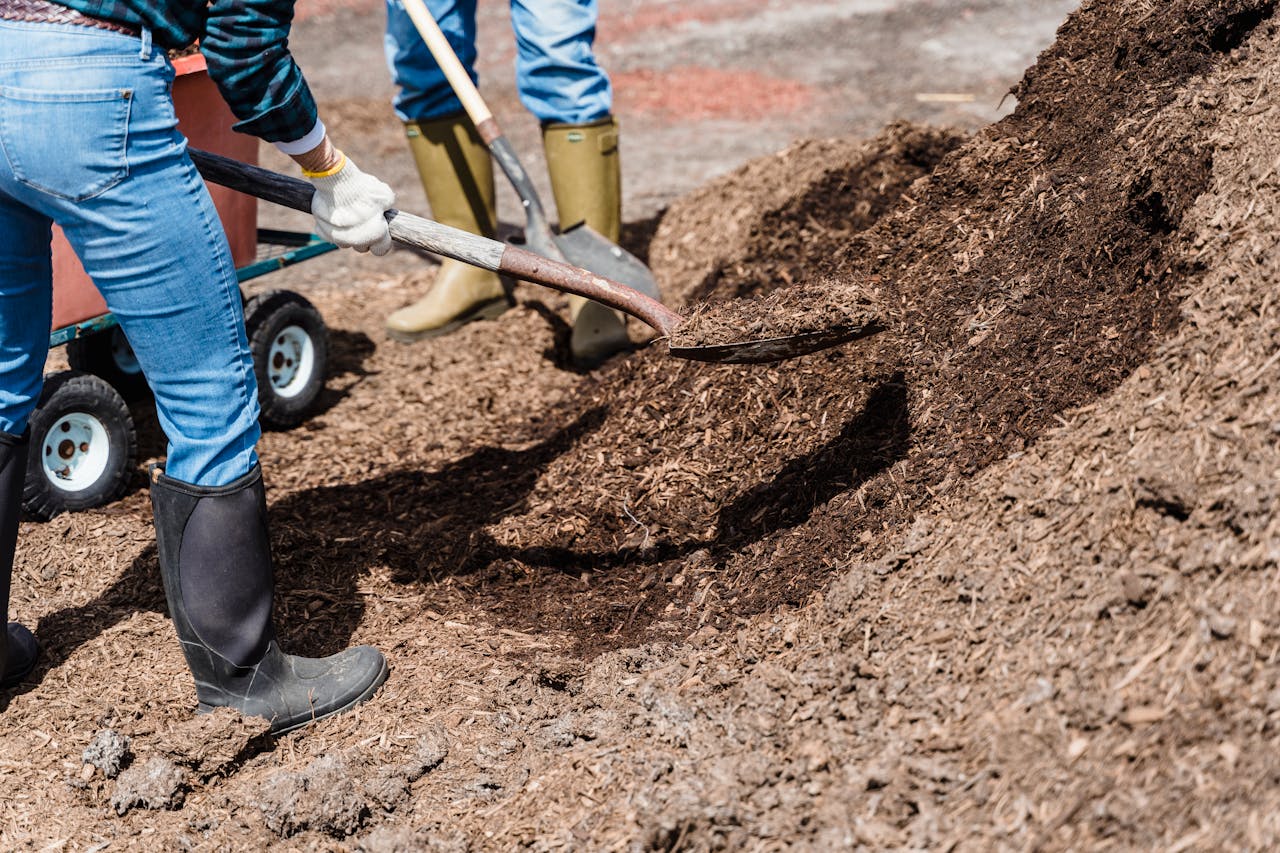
(490, 310)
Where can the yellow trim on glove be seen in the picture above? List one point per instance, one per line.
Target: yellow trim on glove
(327, 173)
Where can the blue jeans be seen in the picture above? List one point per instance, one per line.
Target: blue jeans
(556, 72)
(89, 140)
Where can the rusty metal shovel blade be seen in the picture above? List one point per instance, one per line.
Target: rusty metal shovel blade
(419, 233)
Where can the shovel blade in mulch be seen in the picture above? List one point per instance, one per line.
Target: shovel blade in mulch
(771, 350)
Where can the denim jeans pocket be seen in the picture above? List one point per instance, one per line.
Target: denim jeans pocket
(69, 144)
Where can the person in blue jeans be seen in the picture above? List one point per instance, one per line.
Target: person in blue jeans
(561, 83)
(89, 140)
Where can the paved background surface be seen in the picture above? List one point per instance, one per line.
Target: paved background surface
(701, 86)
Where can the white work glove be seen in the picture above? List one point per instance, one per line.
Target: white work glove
(348, 206)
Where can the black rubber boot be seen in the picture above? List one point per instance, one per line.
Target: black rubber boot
(215, 559)
(18, 649)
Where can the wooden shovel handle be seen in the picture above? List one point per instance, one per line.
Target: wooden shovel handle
(410, 230)
(478, 111)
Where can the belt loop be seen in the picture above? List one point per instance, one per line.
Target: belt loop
(145, 53)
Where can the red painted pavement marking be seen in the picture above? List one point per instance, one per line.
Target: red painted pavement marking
(695, 93)
(615, 26)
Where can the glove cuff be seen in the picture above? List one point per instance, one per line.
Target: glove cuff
(330, 172)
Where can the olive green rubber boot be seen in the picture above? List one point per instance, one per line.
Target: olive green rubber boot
(457, 174)
(586, 179)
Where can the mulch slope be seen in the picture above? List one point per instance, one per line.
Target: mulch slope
(774, 220)
(1030, 272)
(1001, 574)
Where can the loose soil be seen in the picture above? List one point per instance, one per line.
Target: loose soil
(1002, 575)
(795, 311)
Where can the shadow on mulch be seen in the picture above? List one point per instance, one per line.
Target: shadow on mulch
(348, 352)
(429, 528)
(426, 527)
(421, 525)
(875, 439)
(62, 632)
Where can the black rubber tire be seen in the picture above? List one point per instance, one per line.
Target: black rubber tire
(267, 316)
(107, 354)
(69, 393)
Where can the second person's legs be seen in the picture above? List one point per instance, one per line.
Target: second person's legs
(561, 83)
(453, 164)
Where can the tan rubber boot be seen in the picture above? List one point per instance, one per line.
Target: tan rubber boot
(457, 174)
(586, 179)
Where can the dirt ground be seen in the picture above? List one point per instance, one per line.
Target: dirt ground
(1001, 575)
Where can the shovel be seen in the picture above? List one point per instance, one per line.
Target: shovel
(419, 233)
(580, 245)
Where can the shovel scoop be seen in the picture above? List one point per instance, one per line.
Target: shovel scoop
(420, 233)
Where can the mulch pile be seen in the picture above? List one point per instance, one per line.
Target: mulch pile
(1029, 272)
(1000, 575)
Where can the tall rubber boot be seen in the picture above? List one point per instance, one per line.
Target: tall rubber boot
(215, 560)
(586, 180)
(457, 174)
(18, 649)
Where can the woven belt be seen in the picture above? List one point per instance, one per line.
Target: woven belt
(42, 11)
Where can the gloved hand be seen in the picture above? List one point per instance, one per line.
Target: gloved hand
(348, 206)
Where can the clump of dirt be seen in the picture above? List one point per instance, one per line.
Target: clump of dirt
(336, 794)
(399, 839)
(388, 787)
(320, 797)
(156, 783)
(178, 758)
(108, 752)
(216, 743)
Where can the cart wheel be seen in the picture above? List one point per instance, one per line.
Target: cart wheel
(108, 355)
(290, 348)
(83, 446)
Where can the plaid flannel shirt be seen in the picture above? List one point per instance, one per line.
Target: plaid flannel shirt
(246, 43)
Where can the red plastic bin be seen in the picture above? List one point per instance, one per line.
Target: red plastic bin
(205, 119)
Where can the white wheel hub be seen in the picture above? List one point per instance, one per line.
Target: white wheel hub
(75, 452)
(291, 361)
